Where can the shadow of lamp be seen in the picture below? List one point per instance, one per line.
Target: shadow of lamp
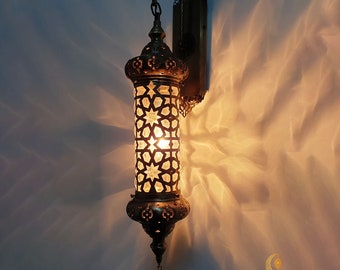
(161, 94)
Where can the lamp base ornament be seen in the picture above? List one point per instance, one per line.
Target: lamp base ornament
(158, 218)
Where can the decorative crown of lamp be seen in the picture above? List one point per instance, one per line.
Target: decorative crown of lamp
(157, 76)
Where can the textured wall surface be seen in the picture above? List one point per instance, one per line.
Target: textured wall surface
(260, 155)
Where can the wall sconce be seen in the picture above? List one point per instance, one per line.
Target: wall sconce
(158, 77)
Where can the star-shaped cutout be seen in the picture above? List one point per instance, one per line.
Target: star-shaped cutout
(152, 172)
(151, 117)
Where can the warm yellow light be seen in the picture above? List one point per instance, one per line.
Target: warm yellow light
(157, 138)
(152, 172)
(163, 144)
(151, 117)
(158, 132)
(157, 75)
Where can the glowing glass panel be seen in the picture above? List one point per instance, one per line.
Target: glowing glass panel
(156, 135)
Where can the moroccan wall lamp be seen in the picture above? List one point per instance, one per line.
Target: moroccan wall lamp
(163, 90)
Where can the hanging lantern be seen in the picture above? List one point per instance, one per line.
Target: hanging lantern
(157, 77)
(159, 99)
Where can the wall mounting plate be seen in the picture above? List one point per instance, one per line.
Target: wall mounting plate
(190, 45)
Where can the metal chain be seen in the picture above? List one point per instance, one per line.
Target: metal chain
(156, 8)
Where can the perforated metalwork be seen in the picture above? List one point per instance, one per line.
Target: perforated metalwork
(157, 137)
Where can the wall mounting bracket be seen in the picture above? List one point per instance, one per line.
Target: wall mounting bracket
(190, 45)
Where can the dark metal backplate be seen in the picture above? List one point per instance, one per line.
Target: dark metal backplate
(190, 44)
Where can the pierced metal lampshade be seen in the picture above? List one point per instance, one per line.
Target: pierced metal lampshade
(157, 77)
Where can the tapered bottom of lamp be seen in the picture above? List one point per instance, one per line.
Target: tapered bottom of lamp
(158, 217)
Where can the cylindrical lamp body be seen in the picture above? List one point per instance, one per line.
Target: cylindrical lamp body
(157, 137)
(157, 76)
